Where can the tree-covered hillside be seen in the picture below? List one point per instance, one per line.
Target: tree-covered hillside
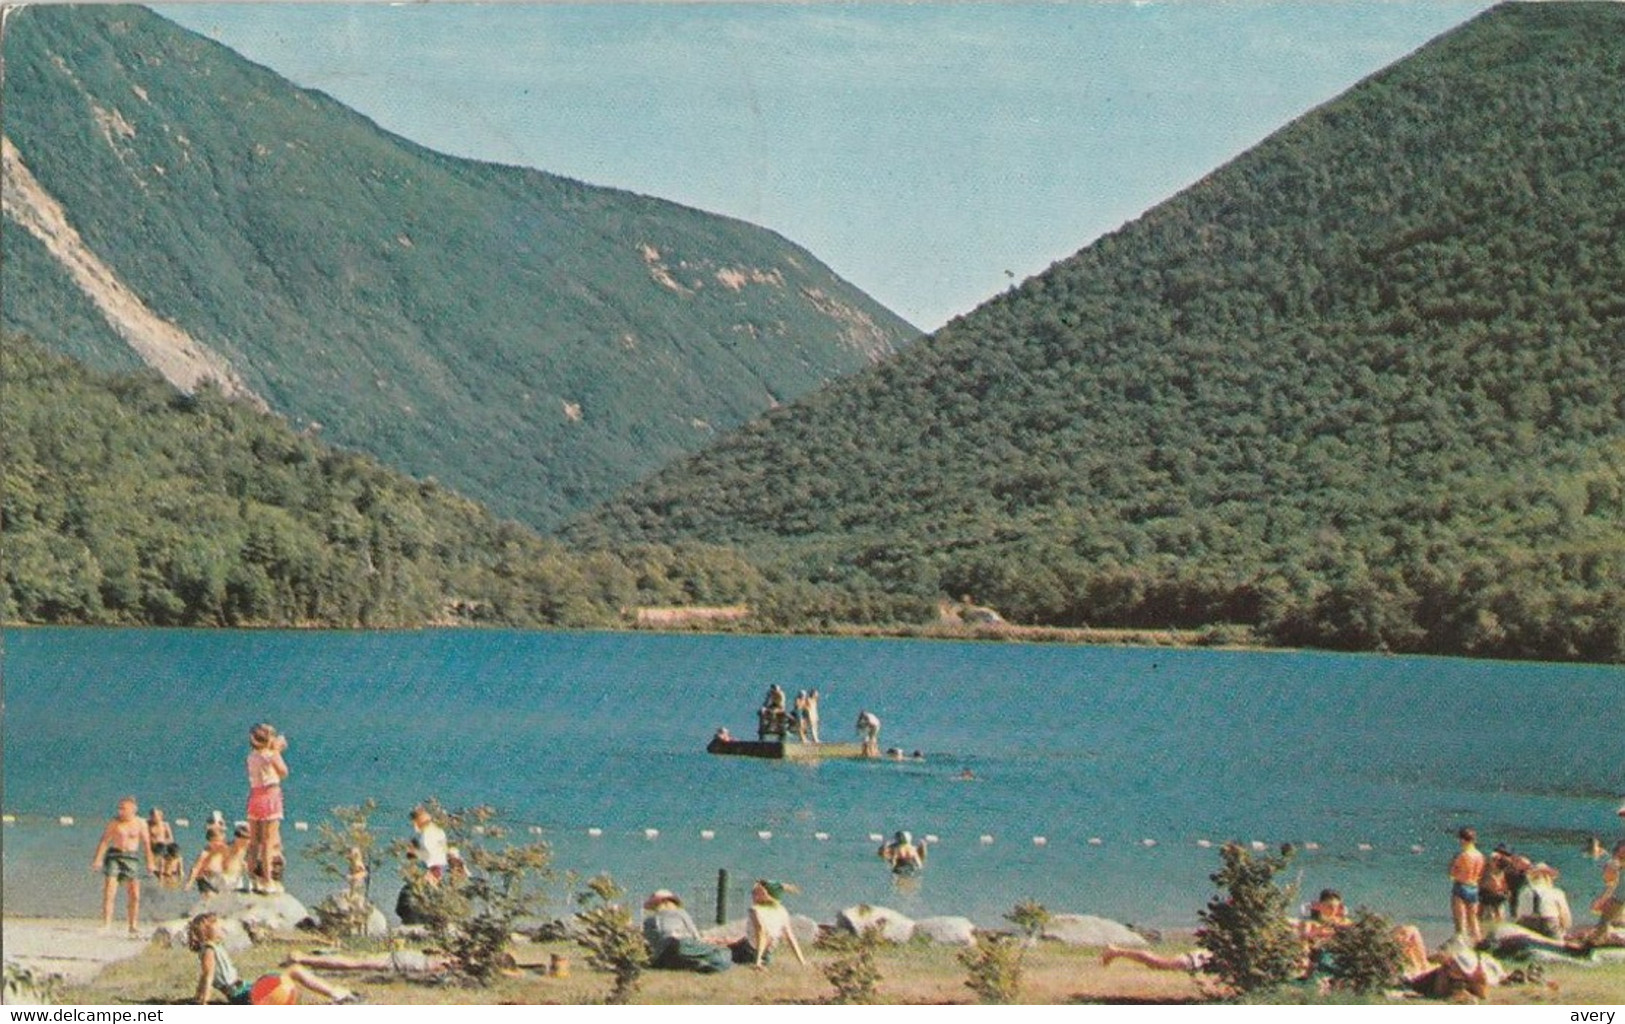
(124, 501)
(1362, 387)
(533, 341)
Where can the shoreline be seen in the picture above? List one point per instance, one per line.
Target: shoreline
(1198, 639)
(909, 974)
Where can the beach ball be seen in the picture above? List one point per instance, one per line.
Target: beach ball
(274, 990)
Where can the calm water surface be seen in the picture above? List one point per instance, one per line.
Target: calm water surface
(606, 731)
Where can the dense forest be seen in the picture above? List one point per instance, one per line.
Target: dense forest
(534, 342)
(1363, 387)
(125, 501)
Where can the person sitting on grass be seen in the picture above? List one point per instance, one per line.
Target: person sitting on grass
(1549, 912)
(675, 942)
(766, 923)
(217, 975)
(1610, 906)
(1326, 916)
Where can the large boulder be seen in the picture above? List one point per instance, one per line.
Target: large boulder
(1086, 930)
(805, 929)
(894, 927)
(336, 915)
(280, 912)
(946, 931)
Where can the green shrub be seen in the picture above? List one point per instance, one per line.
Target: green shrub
(345, 913)
(1031, 917)
(994, 965)
(613, 941)
(853, 972)
(472, 918)
(1364, 956)
(1246, 926)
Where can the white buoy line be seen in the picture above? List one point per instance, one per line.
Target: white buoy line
(1038, 840)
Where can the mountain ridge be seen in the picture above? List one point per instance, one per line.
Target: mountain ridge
(533, 340)
(1360, 387)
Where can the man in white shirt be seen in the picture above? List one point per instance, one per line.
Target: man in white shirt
(431, 843)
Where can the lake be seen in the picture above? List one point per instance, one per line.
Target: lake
(1095, 750)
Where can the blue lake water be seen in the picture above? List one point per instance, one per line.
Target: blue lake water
(572, 732)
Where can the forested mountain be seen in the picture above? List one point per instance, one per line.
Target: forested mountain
(1362, 387)
(532, 341)
(125, 501)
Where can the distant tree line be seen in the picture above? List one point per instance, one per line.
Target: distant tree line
(126, 502)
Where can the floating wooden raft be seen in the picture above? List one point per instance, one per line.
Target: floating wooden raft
(780, 750)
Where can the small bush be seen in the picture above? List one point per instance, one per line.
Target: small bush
(345, 913)
(853, 972)
(1246, 927)
(1364, 956)
(995, 966)
(472, 918)
(613, 941)
(1031, 917)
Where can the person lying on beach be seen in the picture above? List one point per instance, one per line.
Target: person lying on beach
(217, 975)
(209, 870)
(675, 942)
(1190, 963)
(398, 961)
(124, 839)
(1458, 968)
(766, 923)
(164, 848)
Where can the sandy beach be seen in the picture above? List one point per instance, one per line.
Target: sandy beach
(102, 969)
(75, 949)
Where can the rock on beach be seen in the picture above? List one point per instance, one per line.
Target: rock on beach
(947, 931)
(805, 928)
(894, 927)
(1087, 930)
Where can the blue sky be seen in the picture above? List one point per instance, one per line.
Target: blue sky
(930, 153)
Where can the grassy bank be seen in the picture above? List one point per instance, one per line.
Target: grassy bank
(910, 974)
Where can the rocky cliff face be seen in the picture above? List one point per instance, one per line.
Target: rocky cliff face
(532, 340)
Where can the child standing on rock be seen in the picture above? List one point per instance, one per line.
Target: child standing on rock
(266, 770)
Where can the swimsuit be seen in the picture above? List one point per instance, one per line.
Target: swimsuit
(265, 803)
(121, 863)
(1466, 893)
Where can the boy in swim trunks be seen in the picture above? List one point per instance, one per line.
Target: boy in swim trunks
(209, 871)
(125, 837)
(1465, 871)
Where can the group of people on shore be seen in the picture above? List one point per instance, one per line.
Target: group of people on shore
(1486, 894)
(676, 942)
(252, 860)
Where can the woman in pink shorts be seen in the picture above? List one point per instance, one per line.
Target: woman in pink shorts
(266, 770)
